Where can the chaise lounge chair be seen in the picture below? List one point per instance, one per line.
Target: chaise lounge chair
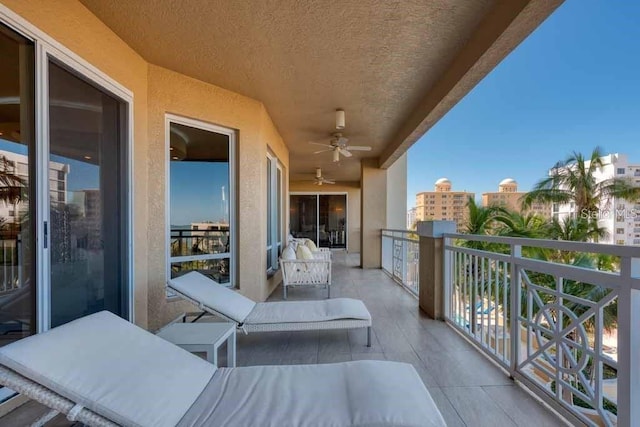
(101, 370)
(338, 313)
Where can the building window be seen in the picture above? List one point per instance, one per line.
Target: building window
(619, 230)
(274, 212)
(201, 199)
(620, 171)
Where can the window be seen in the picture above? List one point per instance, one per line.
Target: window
(620, 171)
(274, 212)
(620, 242)
(200, 199)
(619, 230)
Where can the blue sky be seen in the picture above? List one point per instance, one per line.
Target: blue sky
(571, 85)
(198, 184)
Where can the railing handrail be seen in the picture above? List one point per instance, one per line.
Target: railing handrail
(398, 230)
(564, 245)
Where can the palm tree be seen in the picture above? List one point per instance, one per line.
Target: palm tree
(515, 224)
(575, 229)
(573, 180)
(11, 185)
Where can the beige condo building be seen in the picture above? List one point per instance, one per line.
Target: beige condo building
(443, 204)
(509, 197)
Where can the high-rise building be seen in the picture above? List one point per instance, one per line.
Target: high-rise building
(509, 197)
(620, 218)
(411, 218)
(443, 204)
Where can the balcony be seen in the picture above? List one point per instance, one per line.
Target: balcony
(574, 342)
(466, 386)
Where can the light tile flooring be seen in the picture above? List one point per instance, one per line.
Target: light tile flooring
(468, 389)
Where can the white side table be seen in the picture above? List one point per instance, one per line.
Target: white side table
(203, 337)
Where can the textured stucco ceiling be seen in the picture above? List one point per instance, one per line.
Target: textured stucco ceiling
(376, 59)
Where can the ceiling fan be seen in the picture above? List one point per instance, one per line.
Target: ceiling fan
(338, 142)
(338, 145)
(319, 179)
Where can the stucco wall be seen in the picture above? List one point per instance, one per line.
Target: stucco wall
(397, 194)
(158, 91)
(171, 92)
(86, 36)
(374, 212)
(353, 206)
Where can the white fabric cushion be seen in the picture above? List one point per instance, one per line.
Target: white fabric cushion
(303, 252)
(113, 368)
(288, 253)
(312, 246)
(210, 294)
(308, 311)
(363, 393)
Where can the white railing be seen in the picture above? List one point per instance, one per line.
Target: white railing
(569, 332)
(401, 257)
(11, 266)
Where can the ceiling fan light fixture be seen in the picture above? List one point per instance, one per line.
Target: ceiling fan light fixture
(340, 119)
(336, 155)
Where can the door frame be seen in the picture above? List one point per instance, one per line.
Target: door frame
(46, 47)
(327, 193)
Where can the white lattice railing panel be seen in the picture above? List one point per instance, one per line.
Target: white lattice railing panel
(401, 257)
(565, 329)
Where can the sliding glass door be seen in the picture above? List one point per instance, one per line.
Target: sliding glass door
(64, 198)
(17, 187)
(86, 198)
(320, 217)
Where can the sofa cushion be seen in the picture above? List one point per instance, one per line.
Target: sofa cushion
(288, 253)
(311, 245)
(303, 252)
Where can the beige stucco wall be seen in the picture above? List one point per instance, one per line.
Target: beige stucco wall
(374, 212)
(157, 91)
(397, 194)
(85, 35)
(353, 206)
(171, 92)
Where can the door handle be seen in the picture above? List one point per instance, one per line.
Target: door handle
(46, 234)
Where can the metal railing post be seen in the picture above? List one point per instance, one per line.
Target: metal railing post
(514, 309)
(446, 278)
(629, 345)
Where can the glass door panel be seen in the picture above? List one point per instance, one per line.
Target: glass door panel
(332, 220)
(87, 193)
(17, 189)
(304, 216)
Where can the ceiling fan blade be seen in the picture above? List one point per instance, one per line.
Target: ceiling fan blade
(328, 181)
(322, 151)
(320, 144)
(358, 148)
(344, 152)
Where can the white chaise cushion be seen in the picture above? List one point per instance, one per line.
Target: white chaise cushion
(288, 253)
(364, 393)
(210, 294)
(113, 368)
(308, 311)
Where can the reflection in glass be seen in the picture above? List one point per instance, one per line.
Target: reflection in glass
(199, 202)
(86, 193)
(17, 275)
(303, 216)
(332, 220)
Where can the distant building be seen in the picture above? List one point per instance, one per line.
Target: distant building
(509, 197)
(443, 204)
(619, 217)
(411, 218)
(18, 165)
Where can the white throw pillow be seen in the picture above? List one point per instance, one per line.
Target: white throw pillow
(288, 253)
(303, 252)
(312, 246)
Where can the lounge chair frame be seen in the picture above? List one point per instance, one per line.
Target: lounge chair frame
(282, 327)
(51, 399)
